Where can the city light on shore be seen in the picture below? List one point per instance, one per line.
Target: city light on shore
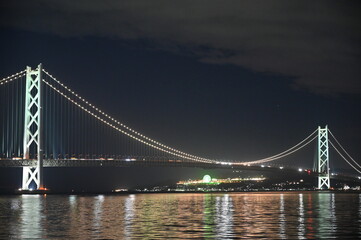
(207, 180)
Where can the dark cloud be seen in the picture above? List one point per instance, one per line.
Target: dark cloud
(316, 43)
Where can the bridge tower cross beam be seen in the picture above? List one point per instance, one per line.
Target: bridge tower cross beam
(33, 129)
(323, 159)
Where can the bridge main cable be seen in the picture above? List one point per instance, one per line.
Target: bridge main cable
(189, 156)
(344, 158)
(180, 154)
(13, 77)
(283, 154)
(157, 145)
(343, 148)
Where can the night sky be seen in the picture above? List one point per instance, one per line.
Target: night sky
(238, 80)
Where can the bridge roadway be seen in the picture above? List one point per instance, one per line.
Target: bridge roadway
(127, 163)
(159, 163)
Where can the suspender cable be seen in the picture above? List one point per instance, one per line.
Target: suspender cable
(128, 129)
(344, 158)
(156, 146)
(15, 136)
(343, 149)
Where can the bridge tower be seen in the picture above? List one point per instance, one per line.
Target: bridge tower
(33, 129)
(323, 159)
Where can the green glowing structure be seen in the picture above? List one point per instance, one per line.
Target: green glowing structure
(207, 179)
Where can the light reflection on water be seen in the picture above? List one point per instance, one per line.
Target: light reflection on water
(301, 218)
(282, 218)
(30, 216)
(182, 216)
(128, 215)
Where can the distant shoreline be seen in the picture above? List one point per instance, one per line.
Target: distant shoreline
(172, 192)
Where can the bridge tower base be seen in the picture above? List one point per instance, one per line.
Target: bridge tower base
(33, 129)
(323, 159)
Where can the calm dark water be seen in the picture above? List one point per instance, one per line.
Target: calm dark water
(182, 216)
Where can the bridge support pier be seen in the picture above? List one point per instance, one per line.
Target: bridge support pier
(33, 129)
(323, 159)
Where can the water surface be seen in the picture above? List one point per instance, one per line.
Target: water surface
(182, 216)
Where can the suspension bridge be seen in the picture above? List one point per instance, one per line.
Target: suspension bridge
(44, 123)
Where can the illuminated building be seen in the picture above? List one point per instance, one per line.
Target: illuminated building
(207, 180)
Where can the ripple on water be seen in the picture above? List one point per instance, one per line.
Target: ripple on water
(181, 216)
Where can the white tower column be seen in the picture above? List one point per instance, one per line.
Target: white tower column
(33, 128)
(323, 159)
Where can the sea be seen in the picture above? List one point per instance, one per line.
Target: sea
(269, 215)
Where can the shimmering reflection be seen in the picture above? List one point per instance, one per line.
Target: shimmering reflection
(326, 207)
(72, 200)
(98, 214)
(359, 213)
(224, 216)
(128, 215)
(310, 219)
(333, 216)
(30, 216)
(282, 218)
(182, 216)
(301, 218)
(208, 216)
